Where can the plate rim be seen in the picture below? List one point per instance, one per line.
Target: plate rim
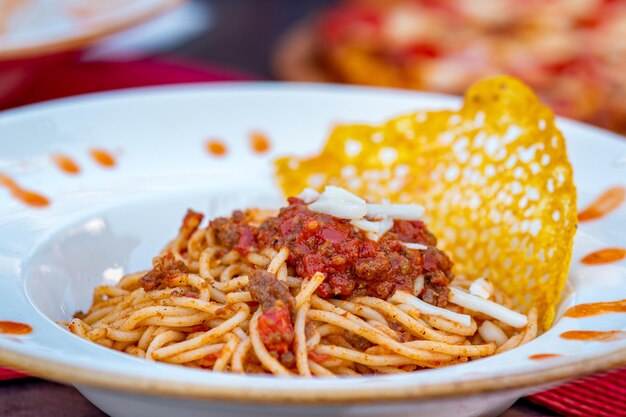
(278, 85)
(150, 386)
(77, 375)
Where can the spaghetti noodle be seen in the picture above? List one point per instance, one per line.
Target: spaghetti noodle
(304, 292)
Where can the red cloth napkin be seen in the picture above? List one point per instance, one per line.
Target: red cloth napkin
(76, 77)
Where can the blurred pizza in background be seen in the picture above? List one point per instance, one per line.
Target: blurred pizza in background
(573, 52)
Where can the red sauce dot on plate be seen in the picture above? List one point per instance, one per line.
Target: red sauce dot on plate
(542, 356)
(604, 204)
(103, 158)
(259, 142)
(594, 336)
(14, 328)
(596, 309)
(216, 147)
(604, 256)
(66, 164)
(27, 197)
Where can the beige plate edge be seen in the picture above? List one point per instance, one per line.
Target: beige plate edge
(70, 43)
(140, 385)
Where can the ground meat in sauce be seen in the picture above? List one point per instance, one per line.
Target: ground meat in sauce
(267, 290)
(276, 329)
(235, 233)
(352, 263)
(402, 333)
(165, 269)
(357, 341)
(288, 359)
(278, 305)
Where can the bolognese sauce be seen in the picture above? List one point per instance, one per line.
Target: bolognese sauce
(352, 263)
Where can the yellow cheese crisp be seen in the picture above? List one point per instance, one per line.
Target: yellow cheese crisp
(494, 178)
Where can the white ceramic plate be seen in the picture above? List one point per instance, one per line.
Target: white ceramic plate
(36, 27)
(104, 222)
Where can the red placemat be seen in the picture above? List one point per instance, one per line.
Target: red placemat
(77, 77)
(602, 395)
(6, 374)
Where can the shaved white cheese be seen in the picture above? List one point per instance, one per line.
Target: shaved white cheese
(492, 333)
(308, 195)
(340, 203)
(343, 204)
(339, 196)
(396, 211)
(417, 246)
(402, 297)
(373, 230)
(418, 285)
(339, 209)
(379, 227)
(491, 309)
(481, 288)
(338, 193)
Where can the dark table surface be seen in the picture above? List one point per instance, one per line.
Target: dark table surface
(244, 32)
(31, 397)
(241, 36)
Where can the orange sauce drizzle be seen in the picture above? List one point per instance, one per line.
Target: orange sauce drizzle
(14, 328)
(594, 336)
(27, 197)
(596, 309)
(216, 147)
(66, 164)
(542, 356)
(606, 203)
(604, 256)
(259, 142)
(103, 158)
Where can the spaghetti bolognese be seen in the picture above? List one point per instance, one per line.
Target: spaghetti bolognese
(330, 285)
